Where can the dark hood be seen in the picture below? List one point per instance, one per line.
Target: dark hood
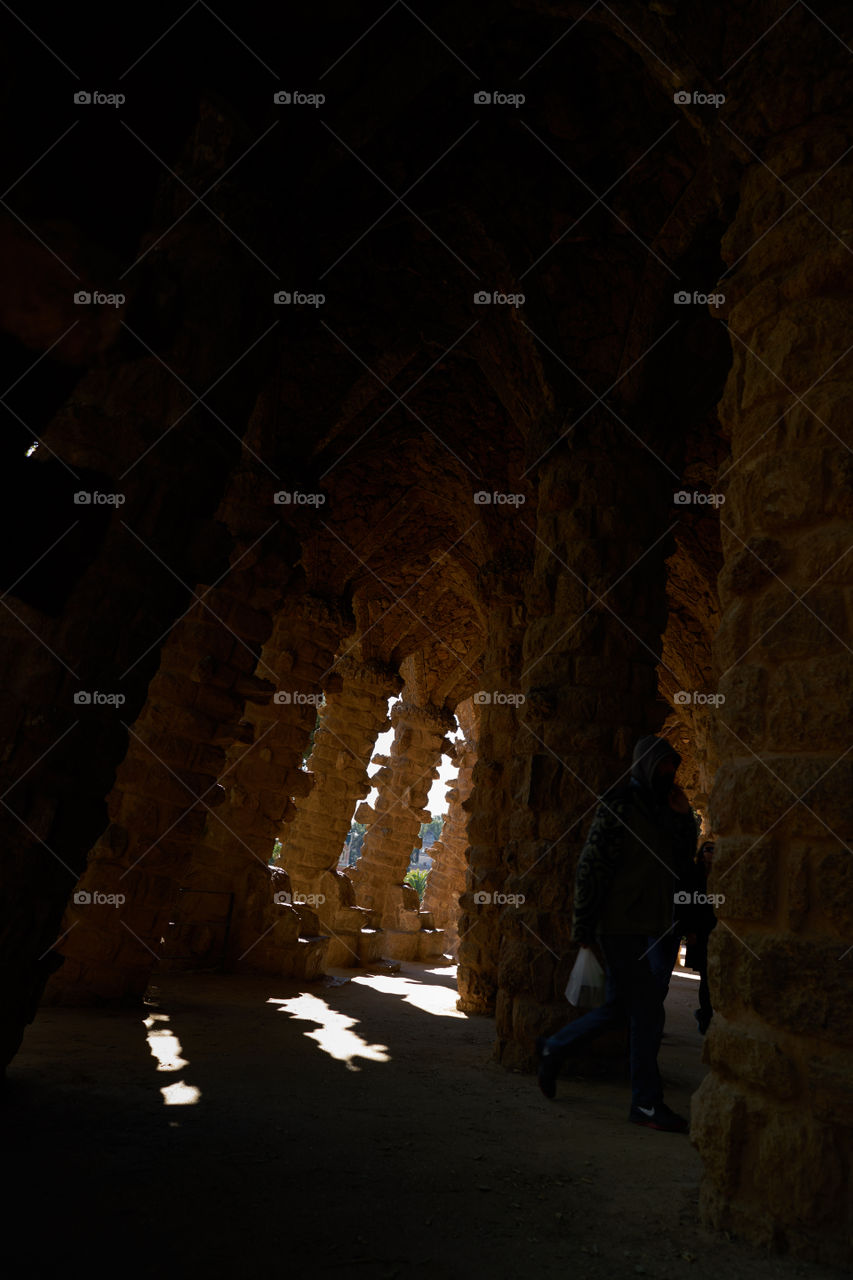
(648, 754)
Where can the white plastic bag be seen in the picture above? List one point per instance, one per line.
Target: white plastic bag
(585, 987)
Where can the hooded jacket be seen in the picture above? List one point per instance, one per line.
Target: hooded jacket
(648, 754)
(636, 855)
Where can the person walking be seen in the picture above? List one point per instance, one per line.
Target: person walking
(635, 865)
(704, 922)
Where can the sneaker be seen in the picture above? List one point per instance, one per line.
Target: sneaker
(549, 1067)
(658, 1117)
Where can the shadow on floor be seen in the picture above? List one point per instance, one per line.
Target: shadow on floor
(357, 1128)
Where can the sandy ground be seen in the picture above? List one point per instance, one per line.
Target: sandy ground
(343, 1128)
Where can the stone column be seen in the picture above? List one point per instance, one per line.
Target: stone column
(199, 799)
(773, 1120)
(394, 823)
(596, 607)
(271, 930)
(94, 614)
(490, 804)
(447, 878)
(355, 712)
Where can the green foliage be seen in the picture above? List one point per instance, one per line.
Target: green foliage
(418, 881)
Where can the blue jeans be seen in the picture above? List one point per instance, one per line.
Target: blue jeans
(637, 980)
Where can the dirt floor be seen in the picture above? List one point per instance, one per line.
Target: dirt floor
(343, 1128)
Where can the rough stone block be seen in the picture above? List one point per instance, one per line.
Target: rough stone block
(745, 873)
(718, 1130)
(741, 1054)
(788, 629)
(810, 697)
(804, 791)
(828, 1081)
(799, 1168)
(832, 877)
(734, 636)
(797, 984)
(743, 713)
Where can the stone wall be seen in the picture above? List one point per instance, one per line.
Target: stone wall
(772, 1120)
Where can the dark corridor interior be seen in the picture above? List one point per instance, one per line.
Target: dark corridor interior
(399, 395)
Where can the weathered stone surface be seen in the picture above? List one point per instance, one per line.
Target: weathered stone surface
(720, 1130)
(738, 1054)
(447, 877)
(419, 738)
(780, 799)
(800, 1163)
(352, 715)
(744, 875)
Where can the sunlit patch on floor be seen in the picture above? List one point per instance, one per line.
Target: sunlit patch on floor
(435, 998)
(180, 1094)
(166, 1048)
(164, 1044)
(334, 1034)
